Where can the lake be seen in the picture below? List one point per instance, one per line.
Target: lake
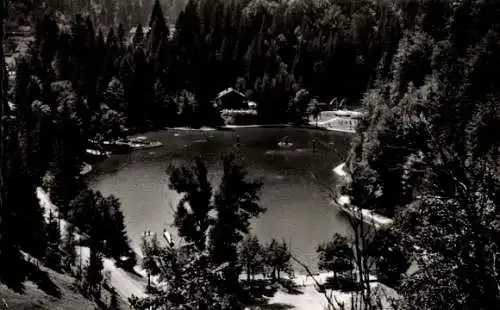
(296, 181)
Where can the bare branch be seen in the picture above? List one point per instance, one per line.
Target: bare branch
(310, 274)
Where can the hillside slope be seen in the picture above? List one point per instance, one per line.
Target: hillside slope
(62, 295)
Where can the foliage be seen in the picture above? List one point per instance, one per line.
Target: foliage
(193, 275)
(113, 303)
(186, 106)
(298, 106)
(150, 250)
(188, 280)
(69, 247)
(335, 255)
(93, 276)
(10, 254)
(92, 211)
(251, 256)
(239, 117)
(278, 258)
(426, 153)
(314, 109)
(236, 202)
(108, 124)
(53, 254)
(273, 49)
(192, 214)
(391, 258)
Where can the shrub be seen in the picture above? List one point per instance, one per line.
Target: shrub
(239, 117)
(344, 283)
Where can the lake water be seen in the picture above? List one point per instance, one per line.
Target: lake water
(296, 181)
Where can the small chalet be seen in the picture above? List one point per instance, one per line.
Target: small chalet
(231, 99)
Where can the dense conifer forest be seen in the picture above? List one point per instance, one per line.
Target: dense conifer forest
(425, 154)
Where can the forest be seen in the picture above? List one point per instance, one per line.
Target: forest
(266, 49)
(426, 154)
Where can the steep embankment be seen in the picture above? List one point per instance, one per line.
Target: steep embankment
(62, 296)
(125, 283)
(367, 216)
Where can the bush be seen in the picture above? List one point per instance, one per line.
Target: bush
(344, 283)
(239, 117)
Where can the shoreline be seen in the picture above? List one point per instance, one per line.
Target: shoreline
(86, 169)
(232, 127)
(368, 217)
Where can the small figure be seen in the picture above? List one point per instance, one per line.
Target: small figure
(314, 145)
(168, 238)
(237, 140)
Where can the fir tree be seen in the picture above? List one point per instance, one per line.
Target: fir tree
(113, 303)
(138, 39)
(53, 257)
(20, 191)
(116, 238)
(236, 203)
(93, 272)
(159, 30)
(278, 258)
(335, 255)
(120, 37)
(150, 249)
(69, 247)
(251, 256)
(192, 214)
(10, 254)
(46, 39)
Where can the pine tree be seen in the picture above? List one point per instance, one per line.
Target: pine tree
(67, 163)
(193, 223)
(278, 258)
(20, 193)
(138, 39)
(53, 257)
(27, 89)
(113, 303)
(93, 272)
(251, 256)
(159, 29)
(335, 255)
(236, 203)
(112, 56)
(116, 237)
(10, 254)
(62, 62)
(46, 38)
(120, 37)
(69, 247)
(150, 249)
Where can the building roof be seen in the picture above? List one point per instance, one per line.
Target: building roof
(227, 91)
